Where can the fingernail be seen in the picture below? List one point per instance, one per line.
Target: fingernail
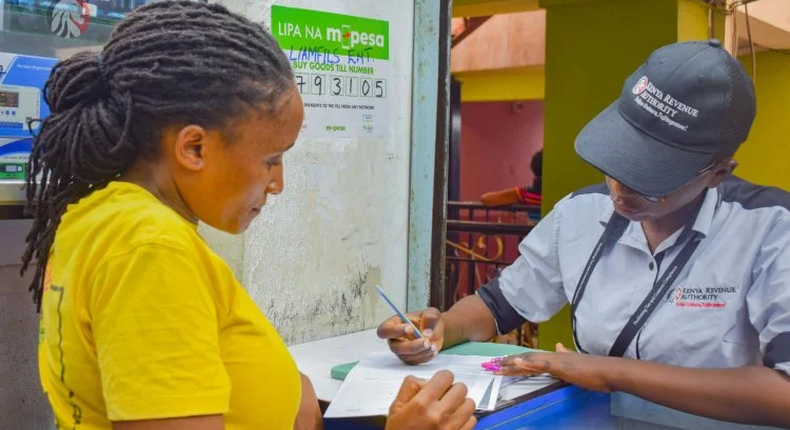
(433, 348)
(491, 367)
(427, 333)
(518, 361)
(427, 343)
(408, 329)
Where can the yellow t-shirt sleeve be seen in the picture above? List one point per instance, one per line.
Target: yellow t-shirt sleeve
(156, 332)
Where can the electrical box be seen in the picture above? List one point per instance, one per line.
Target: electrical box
(18, 106)
(22, 107)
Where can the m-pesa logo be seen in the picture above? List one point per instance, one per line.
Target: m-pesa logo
(302, 30)
(349, 38)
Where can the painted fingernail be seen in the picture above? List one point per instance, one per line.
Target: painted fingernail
(491, 367)
(492, 362)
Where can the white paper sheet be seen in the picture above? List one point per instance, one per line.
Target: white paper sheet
(371, 386)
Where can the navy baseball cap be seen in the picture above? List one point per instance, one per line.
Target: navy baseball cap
(687, 105)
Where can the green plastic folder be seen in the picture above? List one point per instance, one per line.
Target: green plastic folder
(484, 349)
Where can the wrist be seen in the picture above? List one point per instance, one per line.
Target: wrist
(449, 334)
(614, 371)
(452, 329)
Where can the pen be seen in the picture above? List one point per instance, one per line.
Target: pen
(397, 311)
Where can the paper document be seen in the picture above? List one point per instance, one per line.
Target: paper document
(372, 385)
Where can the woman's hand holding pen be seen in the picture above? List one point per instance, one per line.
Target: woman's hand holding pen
(405, 343)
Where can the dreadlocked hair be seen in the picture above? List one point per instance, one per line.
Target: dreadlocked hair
(167, 63)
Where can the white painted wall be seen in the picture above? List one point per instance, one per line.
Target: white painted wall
(312, 258)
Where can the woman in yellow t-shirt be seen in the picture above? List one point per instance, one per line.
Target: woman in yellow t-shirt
(184, 116)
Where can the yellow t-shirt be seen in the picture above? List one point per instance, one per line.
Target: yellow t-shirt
(141, 320)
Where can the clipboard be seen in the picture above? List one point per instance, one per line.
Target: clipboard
(504, 404)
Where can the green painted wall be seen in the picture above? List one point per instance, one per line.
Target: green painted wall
(591, 47)
(764, 158)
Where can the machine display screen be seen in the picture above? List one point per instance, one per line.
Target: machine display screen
(9, 99)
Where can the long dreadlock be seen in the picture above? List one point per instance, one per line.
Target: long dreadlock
(167, 63)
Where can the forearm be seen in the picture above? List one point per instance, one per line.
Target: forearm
(500, 198)
(468, 320)
(309, 416)
(754, 395)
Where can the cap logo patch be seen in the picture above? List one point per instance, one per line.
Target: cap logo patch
(663, 106)
(640, 86)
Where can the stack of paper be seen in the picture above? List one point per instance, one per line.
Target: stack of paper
(371, 387)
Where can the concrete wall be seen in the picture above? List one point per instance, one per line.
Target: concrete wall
(312, 258)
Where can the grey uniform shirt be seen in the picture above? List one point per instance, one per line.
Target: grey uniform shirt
(729, 306)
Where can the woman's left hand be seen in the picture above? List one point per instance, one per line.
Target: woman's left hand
(586, 371)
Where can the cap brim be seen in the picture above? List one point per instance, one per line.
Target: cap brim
(636, 160)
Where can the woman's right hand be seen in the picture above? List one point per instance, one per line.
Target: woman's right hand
(406, 345)
(437, 404)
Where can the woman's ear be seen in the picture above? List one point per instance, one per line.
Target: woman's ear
(724, 169)
(189, 147)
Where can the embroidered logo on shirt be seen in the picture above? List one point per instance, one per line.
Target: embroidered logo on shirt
(701, 297)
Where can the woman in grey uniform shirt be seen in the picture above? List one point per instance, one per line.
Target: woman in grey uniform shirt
(677, 272)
